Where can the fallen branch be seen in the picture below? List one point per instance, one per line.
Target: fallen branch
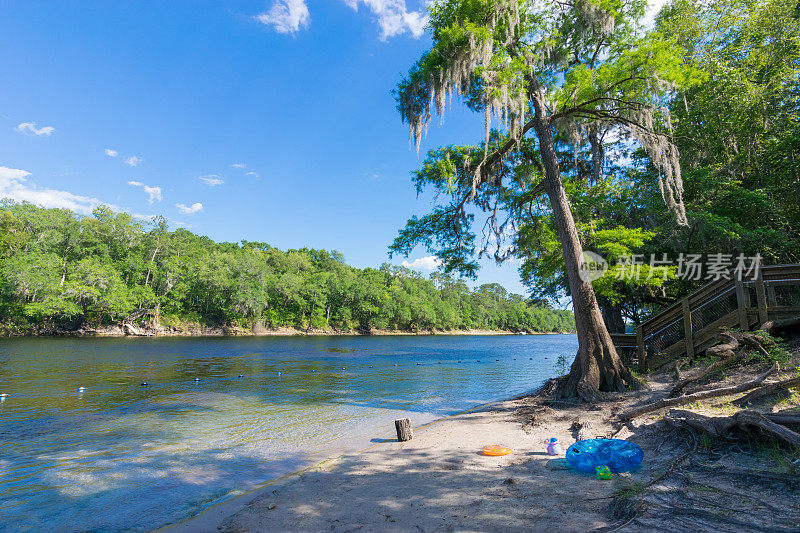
(678, 364)
(678, 388)
(724, 350)
(774, 326)
(723, 426)
(754, 418)
(701, 395)
(767, 389)
(754, 341)
(784, 419)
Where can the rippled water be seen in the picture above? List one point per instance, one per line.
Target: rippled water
(120, 456)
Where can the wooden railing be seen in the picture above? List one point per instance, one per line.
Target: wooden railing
(690, 325)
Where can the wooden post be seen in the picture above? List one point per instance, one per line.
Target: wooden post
(403, 427)
(761, 297)
(743, 302)
(772, 300)
(687, 327)
(641, 353)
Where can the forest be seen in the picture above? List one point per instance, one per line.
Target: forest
(61, 272)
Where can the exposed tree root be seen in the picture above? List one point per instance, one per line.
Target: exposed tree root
(749, 474)
(784, 418)
(768, 389)
(775, 326)
(678, 365)
(725, 426)
(677, 390)
(701, 395)
(725, 349)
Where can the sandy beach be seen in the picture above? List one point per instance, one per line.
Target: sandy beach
(440, 480)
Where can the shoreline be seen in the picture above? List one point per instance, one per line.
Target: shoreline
(210, 518)
(119, 332)
(441, 481)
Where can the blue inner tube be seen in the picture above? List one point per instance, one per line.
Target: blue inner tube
(618, 455)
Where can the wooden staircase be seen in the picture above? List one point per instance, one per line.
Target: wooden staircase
(690, 325)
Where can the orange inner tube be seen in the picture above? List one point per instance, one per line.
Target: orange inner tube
(495, 450)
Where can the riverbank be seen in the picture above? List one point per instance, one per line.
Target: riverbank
(440, 480)
(234, 331)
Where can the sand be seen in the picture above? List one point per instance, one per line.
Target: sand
(440, 480)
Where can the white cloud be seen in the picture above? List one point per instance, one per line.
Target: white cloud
(191, 209)
(211, 180)
(423, 263)
(111, 153)
(134, 160)
(244, 166)
(286, 16)
(393, 17)
(29, 128)
(14, 185)
(153, 192)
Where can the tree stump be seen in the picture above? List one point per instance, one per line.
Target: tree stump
(403, 427)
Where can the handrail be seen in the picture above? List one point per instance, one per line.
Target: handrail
(697, 318)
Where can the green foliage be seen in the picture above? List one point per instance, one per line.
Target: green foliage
(585, 71)
(562, 364)
(775, 348)
(722, 80)
(738, 133)
(58, 269)
(626, 488)
(782, 458)
(707, 441)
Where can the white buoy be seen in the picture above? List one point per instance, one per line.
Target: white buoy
(197, 379)
(3, 397)
(81, 389)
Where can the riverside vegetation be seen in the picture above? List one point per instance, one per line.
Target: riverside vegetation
(60, 272)
(603, 135)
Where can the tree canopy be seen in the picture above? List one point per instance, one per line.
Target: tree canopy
(727, 90)
(59, 270)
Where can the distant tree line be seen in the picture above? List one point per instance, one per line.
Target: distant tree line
(60, 270)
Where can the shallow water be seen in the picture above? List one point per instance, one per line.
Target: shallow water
(124, 457)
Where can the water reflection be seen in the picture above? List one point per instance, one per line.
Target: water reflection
(119, 456)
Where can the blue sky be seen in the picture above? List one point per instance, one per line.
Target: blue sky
(257, 120)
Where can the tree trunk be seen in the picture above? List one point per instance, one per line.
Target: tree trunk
(612, 315)
(597, 368)
(152, 259)
(598, 154)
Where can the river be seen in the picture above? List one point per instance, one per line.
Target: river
(219, 416)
